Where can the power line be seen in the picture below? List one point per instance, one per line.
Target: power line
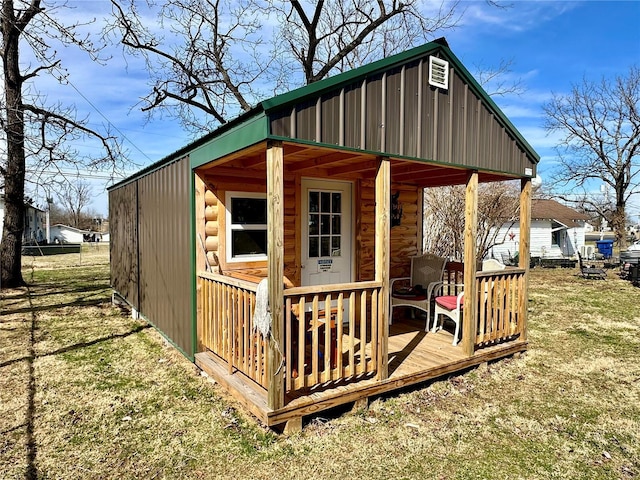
(62, 75)
(107, 120)
(92, 176)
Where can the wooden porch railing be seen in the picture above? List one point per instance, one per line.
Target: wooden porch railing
(226, 325)
(500, 305)
(348, 348)
(316, 354)
(313, 353)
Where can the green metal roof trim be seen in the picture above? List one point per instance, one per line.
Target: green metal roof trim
(191, 147)
(249, 132)
(253, 126)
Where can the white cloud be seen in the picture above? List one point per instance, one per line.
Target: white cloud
(517, 17)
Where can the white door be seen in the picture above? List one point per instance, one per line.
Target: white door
(326, 232)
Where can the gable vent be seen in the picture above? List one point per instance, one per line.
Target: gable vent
(438, 73)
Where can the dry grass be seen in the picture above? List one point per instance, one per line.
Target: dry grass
(87, 392)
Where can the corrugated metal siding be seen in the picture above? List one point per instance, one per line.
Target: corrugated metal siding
(373, 117)
(443, 137)
(330, 118)
(306, 121)
(151, 249)
(394, 100)
(458, 142)
(165, 251)
(404, 115)
(353, 116)
(429, 119)
(123, 242)
(412, 120)
(472, 117)
(282, 123)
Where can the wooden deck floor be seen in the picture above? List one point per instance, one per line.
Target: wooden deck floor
(414, 356)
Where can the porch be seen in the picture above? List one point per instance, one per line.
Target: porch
(354, 358)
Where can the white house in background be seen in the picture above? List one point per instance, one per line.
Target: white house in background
(66, 234)
(556, 231)
(34, 223)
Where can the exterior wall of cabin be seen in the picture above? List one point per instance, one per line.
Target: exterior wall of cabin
(123, 247)
(216, 187)
(151, 249)
(405, 238)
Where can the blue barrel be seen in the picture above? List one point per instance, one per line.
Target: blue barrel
(605, 247)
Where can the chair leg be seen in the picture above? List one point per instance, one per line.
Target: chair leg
(456, 333)
(435, 322)
(426, 327)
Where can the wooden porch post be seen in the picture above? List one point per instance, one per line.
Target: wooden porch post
(470, 234)
(275, 266)
(383, 201)
(200, 256)
(525, 250)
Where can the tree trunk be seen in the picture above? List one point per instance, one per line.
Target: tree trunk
(11, 250)
(618, 224)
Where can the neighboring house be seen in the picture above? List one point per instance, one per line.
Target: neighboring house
(556, 231)
(66, 234)
(34, 223)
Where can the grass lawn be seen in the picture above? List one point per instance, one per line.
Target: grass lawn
(87, 392)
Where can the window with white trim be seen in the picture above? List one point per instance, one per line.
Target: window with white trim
(246, 216)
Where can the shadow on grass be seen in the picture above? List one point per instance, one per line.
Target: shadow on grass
(31, 472)
(32, 448)
(57, 289)
(81, 301)
(76, 303)
(76, 346)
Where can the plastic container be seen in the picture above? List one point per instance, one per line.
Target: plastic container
(605, 247)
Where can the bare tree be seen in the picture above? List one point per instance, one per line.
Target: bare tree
(600, 127)
(75, 197)
(444, 209)
(335, 35)
(209, 60)
(496, 80)
(34, 133)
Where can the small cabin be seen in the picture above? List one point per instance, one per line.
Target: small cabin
(264, 250)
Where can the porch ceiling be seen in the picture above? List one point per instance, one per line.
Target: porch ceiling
(315, 161)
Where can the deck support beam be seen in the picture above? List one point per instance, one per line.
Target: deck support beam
(382, 234)
(275, 266)
(525, 251)
(470, 234)
(293, 426)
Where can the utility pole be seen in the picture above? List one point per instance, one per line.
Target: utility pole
(49, 202)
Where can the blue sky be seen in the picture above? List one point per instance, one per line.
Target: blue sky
(552, 45)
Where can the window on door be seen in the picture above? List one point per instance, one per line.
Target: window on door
(246, 226)
(325, 224)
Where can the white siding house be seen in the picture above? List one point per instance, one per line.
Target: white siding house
(556, 231)
(34, 223)
(66, 234)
